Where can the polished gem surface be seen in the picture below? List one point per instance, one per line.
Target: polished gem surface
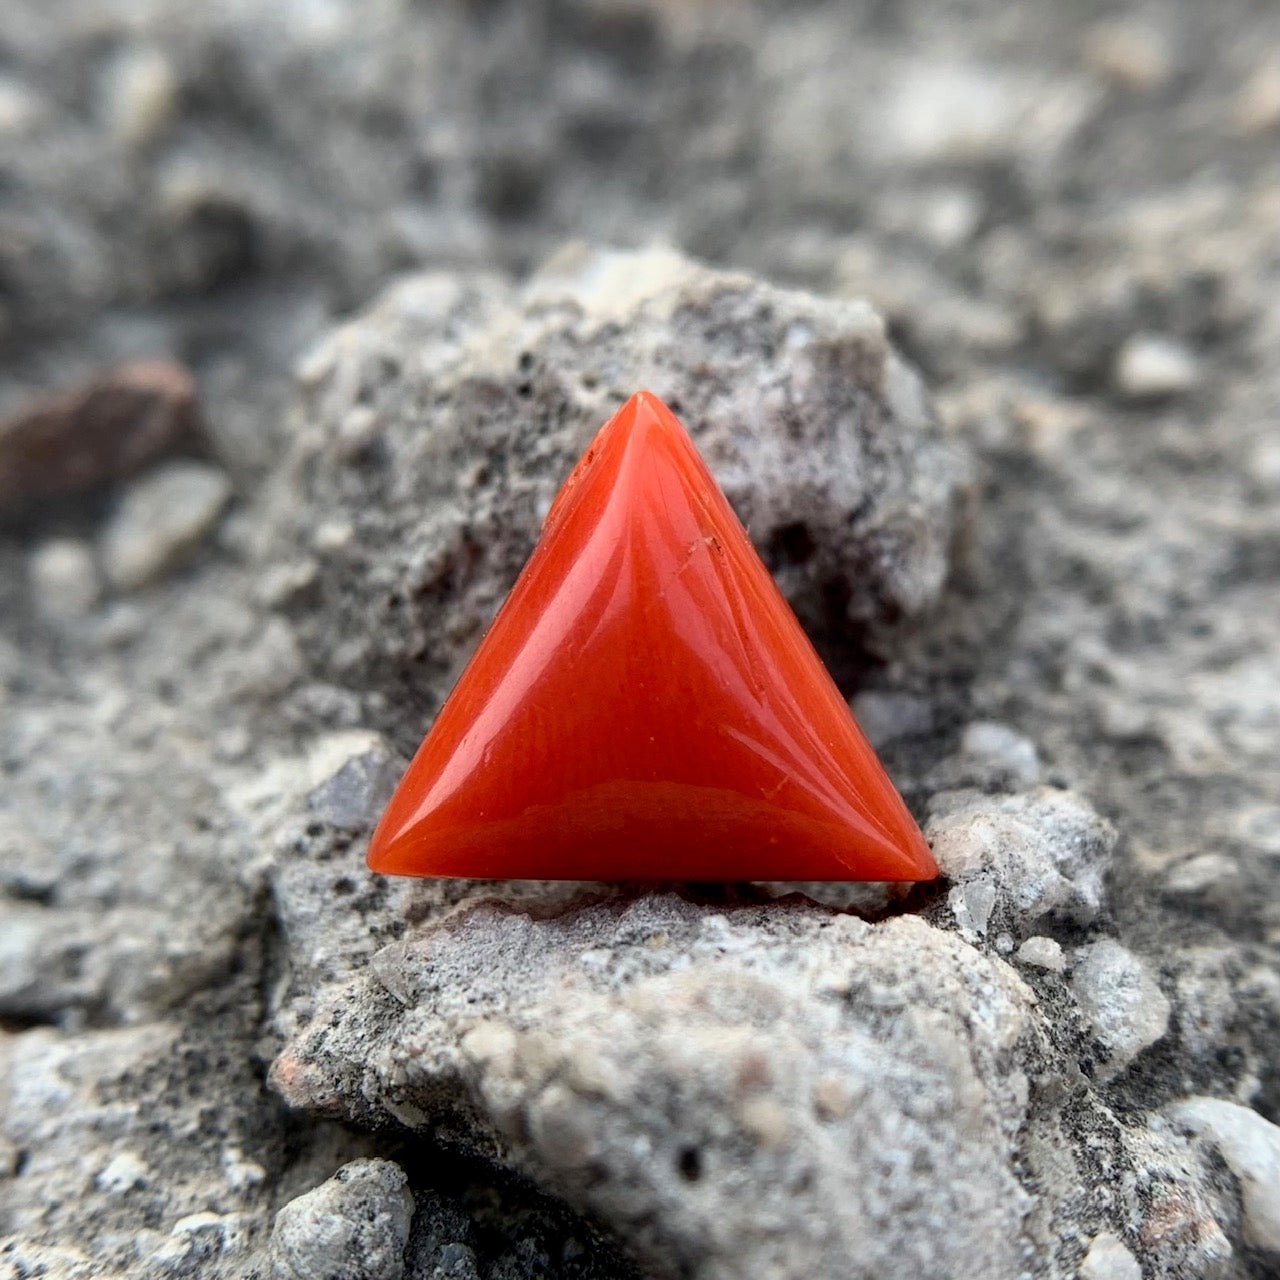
(646, 706)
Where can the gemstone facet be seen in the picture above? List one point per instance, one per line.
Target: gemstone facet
(646, 706)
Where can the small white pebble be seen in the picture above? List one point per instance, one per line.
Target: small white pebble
(20, 108)
(139, 95)
(122, 1173)
(972, 903)
(1122, 1000)
(1150, 366)
(1250, 1144)
(64, 579)
(1129, 54)
(1004, 747)
(1258, 103)
(333, 535)
(948, 218)
(280, 582)
(798, 336)
(358, 429)
(1044, 953)
(1108, 1259)
(1264, 463)
(161, 518)
(1199, 875)
(242, 1174)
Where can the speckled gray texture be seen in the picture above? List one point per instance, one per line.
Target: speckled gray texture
(353, 1227)
(756, 1092)
(1066, 216)
(440, 423)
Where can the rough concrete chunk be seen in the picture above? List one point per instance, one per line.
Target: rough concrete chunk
(442, 421)
(1042, 853)
(758, 1092)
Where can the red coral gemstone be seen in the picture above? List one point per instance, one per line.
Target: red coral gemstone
(646, 706)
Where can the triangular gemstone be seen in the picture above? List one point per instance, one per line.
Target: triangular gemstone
(646, 706)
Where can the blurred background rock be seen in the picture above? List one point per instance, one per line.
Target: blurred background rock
(233, 581)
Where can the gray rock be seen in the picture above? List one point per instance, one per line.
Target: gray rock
(1003, 749)
(123, 1173)
(1042, 854)
(162, 518)
(143, 1186)
(315, 813)
(724, 1090)
(1134, 55)
(1150, 365)
(887, 717)
(96, 867)
(456, 1262)
(64, 579)
(1044, 953)
(1108, 1259)
(939, 109)
(1257, 108)
(1225, 1003)
(353, 1227)
(1121, 999)
(138, 95)
(28, 1259)
(819, 433)
(1250, 1145)
(359, 774)
(1208, 875)
(38, 962)
(197, 1242)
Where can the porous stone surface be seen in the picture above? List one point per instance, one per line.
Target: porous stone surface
(440, 424)
(641, 1055)
(1017, 859)
(1052, 604)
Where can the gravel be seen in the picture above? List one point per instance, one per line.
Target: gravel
(353, 1227)
(161, 519)
(975, 316)
(1149, 366)
(1250, 1145)
(1121, 999)
(1109, 1259)
(64, 579)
